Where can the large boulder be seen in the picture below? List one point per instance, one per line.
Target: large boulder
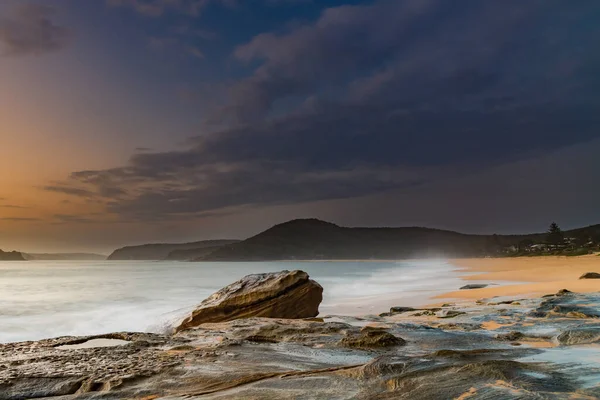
(590, 275)
(282, 294)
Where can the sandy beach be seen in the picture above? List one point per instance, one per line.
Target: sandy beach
(532, 276)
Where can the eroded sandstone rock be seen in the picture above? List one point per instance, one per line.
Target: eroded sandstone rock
(287, 359)
(583, 335)
(370, 337)
(397, 310)
(449, 313)
(282, 294)
(511, 336)
(590, 275)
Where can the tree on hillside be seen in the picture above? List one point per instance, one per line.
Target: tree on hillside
(555, 235)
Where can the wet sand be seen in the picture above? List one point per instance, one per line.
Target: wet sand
(532, 276)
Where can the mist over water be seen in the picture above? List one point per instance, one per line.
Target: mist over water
(48, 299)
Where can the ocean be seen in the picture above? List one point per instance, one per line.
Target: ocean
(44, 299)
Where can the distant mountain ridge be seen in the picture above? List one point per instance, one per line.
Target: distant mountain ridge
(192, 254)
(64, 256)
(162, 251)
(313, 239)
(11, 256)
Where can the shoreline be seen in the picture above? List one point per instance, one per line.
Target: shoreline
(532, 276)
(522, 277)
(455, 351)
(267, 346)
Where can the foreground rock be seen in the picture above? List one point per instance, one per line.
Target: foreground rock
(582, 335)
(408, 355)
(369, 338)
(399, 309)
(564, 304)
(474, 286)
(282, 294)
(590, 275)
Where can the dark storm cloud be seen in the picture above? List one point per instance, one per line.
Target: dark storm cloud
(281, 2)
(31, 30)
(181, 183)
(422, 53)
(156, 8)
(69, 190)
(175, 45)
(371, 98)
(68, 218)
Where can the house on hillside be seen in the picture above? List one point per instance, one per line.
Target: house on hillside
(539, 247)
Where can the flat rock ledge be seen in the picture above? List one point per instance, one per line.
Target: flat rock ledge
(408, 355)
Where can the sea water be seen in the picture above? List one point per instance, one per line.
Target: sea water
(41, 299)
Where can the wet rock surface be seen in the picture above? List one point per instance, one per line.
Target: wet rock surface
(500, 351)
(474, 286)
(371, 337)
(398, 310)
(579, 335)
(448, 313)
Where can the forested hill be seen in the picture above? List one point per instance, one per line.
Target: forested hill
(64, 256)
(312, 239)
(11, 256)
(161, 251)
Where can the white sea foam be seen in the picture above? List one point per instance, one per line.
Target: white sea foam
(49, 299)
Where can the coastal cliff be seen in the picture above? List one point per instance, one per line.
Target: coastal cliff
(64, 256)
(11, 256)
(162, 251)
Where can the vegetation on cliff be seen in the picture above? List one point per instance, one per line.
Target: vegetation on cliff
(11, 256)
(64, 256)
(161, 251)
(312, 239)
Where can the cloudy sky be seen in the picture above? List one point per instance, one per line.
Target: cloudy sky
(126, 121)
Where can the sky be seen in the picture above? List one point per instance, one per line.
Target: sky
(132, 121)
